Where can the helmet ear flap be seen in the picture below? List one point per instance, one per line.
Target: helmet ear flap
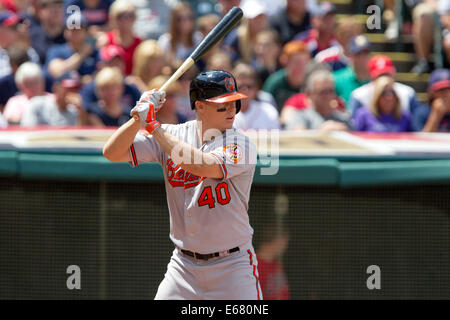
(238, 106)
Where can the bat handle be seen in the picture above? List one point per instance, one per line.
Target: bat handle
(182, 69)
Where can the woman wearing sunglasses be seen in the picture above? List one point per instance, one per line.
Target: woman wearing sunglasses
(384, 113)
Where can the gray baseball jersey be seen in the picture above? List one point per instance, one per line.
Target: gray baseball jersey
(206, 215)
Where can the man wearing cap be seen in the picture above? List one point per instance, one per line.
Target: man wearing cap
(17, 55)
(64, 108)
(356, 74)
(321, 36)
(78, 54)
(436, 117)
(8, 34)
(383, 65)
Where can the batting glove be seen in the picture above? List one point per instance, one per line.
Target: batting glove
(146, 108)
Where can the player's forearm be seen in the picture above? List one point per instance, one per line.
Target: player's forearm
(117, 147)
(189, 158)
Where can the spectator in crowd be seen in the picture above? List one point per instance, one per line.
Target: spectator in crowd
(300, 100)
(267, 50)
(423, 34)
(111, 56)
(17, 55)
(95, 11)
(436, 116)
(357, 73)
(241, 40)
(384, 113)
(272, 276)
(9, 23)
(391, 20)
(444, 14)
(64, 108)
(78, 54)
(129, 95)
(383, 65)
(206, 23)
(289, 80)
(321, 111)
(254, 114)
(321, 36)
(14, 29)
(47, 27)
(220, 60)
(31, 83)
(169, 112)
(275, 6)
(110, 109)
(152, 18)
(337, 56)
(181, 39)
(122, 16)
(292, 20)
(148, 62)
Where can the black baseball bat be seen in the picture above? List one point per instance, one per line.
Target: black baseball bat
(218, 32)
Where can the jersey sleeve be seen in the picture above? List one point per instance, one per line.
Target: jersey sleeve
(145, 149)
(236, 157)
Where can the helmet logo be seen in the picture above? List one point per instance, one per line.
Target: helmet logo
(229, 84)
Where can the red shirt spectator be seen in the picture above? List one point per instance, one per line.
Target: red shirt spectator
(300, 101)
(128, 52)
(122, 16)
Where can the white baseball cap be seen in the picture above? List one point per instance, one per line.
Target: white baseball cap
(252, 9)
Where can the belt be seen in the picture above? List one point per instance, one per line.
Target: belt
(208, 256)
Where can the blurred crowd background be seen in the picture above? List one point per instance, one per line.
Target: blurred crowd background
(304, 64)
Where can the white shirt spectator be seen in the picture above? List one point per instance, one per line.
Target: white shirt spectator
(260, 115)
(44, 111)
(152, 17)
(181, 51)
(363, 95)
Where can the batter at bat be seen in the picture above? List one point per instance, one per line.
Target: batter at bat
(208, 171)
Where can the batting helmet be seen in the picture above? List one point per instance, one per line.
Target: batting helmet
(215, 86)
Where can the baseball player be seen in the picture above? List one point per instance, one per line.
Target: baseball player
(208, 170)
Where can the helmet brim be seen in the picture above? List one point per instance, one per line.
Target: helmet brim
(232, 96)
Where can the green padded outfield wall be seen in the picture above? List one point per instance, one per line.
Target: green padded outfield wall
(117, 233)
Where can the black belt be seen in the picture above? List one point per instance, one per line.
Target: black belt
(207, 255)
